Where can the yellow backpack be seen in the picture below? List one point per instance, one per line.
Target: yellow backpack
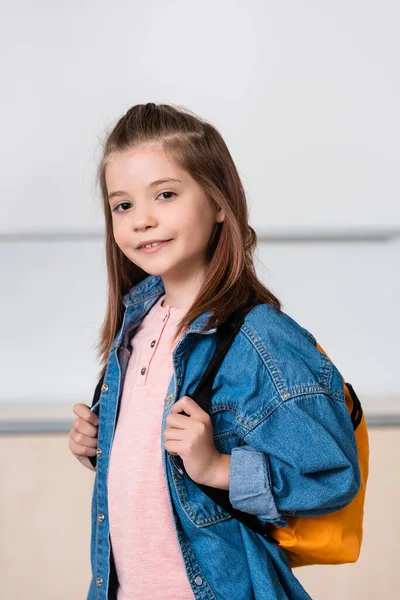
(336, 537)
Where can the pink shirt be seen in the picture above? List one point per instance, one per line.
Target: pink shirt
(147, 556)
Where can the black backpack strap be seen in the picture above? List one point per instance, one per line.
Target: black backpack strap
(356, 413)
(96, 398)
(226, 334)
(97, 391)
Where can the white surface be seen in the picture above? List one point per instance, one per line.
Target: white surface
(306, 96)
(54, 298)
(348, 296)
(52, 303)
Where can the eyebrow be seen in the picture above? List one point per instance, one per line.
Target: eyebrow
(151, 185)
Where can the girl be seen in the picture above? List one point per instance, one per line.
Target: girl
(277, 433)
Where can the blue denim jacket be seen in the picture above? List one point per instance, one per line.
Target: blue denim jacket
(278, 409)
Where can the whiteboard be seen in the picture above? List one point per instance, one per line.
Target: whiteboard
(306, 96)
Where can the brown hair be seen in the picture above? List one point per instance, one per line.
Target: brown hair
(196, 146)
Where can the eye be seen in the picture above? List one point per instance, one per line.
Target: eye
(118, 205)
(173, 193)
(115, 209)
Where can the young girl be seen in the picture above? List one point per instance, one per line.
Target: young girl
(277, 433)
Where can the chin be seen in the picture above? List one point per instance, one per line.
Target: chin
(155, 270)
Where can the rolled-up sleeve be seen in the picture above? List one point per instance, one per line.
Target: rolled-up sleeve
(299, 460)
(250, 487)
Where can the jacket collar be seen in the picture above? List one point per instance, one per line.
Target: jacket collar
(153, 286)
(149, 286)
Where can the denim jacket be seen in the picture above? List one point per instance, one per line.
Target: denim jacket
(278, 409)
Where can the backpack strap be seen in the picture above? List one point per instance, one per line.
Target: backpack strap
(97, 391)
(96, 398)
(226, 334)
(356, 413)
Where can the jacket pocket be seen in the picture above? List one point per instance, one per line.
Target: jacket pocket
(199, 508)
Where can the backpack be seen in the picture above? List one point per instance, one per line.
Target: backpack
(332, 538)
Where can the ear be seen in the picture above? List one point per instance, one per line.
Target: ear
(220, 215)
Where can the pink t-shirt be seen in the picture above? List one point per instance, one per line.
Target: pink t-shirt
(147, 556)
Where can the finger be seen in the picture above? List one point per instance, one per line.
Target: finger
(185, 404)
(189, 406)
(79, 450)
(83, 411)
(83, 440)
(173, 434)
(83, 426)
(171, 447)
(177, 420)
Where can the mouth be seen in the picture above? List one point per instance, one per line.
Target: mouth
(152, 249)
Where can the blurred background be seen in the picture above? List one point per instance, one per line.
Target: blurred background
(306, 96)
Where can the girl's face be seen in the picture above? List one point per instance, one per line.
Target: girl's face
(144, 208)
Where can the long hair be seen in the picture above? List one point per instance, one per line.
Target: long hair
(230, 281)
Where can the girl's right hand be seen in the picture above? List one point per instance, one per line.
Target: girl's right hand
(83, 435)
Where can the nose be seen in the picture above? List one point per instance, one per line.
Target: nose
(143, 219)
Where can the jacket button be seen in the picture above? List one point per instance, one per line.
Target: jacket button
(99, 451)
(104, 387)
(100, 518)
(168, 398)
(99, 581)
(152, 343)
(143, 371)
(198, 580)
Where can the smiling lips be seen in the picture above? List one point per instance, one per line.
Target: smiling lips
(154, 248)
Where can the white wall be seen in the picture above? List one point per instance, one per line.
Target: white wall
(346, 294)
(306, 95)
(307, 99)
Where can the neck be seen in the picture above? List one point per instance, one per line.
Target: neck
(180, 293)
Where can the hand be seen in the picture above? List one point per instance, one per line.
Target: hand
(83, 435)
(191, 436)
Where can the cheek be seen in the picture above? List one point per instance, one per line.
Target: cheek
(121, 229)
(118, 235)
(122, 238)
(197, 229)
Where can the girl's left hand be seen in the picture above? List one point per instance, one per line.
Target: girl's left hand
(191, 437)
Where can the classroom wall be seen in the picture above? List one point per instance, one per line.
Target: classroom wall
(45, 524)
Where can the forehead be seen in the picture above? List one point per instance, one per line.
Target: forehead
(140, 166)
